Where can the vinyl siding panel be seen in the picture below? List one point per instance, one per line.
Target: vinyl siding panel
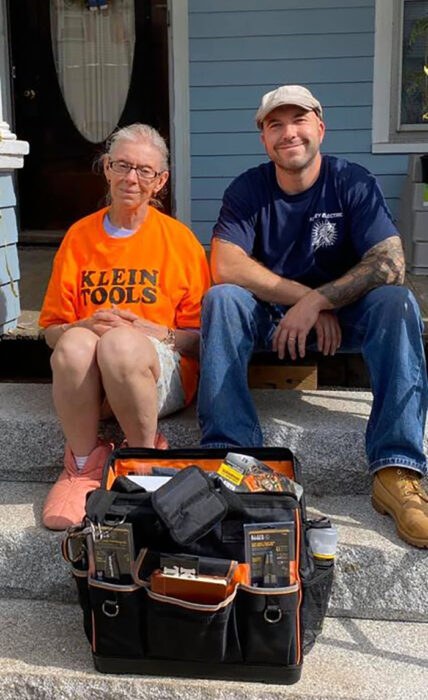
(9, 306)
(8, 227)
(7, 193)
(280, 47)
(244, 23)
(208, 6)
(242, 120)
(240, 49)
(308, 71)
(9, 266)
(226, 97)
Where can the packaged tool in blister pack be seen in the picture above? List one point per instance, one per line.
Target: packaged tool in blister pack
(243, 473)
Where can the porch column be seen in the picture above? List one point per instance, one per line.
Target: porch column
(12, 152)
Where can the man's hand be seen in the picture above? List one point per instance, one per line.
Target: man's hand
(293, 329)
(382, 264)
(329, 333)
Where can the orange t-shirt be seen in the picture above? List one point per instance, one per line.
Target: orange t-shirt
(160, 273)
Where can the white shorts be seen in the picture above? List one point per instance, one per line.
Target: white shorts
(171, 396)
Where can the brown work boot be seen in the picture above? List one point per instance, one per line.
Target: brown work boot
(399, 493)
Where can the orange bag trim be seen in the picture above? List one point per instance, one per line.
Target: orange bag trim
(124, 467)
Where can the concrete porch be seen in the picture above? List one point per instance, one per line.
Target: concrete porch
(373, 644)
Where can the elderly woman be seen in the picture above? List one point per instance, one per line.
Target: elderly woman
(122, 315)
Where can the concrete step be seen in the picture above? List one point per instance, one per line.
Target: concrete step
(377, 575)
(45, 656)
(324, 429)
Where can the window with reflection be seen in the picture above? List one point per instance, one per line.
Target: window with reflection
(93, 53)
(414, 70)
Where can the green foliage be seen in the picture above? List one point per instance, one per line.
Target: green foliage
(415, 82)
(420, 28)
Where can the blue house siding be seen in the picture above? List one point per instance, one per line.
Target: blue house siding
(9, 266)
(240, 49)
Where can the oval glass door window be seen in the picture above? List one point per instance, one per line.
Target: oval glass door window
(93, 53)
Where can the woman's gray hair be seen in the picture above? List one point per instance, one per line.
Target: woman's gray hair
(139, 132)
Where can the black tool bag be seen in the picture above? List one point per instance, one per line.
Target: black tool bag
(255, 633)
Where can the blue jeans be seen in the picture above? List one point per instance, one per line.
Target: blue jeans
(385, 326)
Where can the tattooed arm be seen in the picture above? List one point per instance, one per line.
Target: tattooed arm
(382, 264)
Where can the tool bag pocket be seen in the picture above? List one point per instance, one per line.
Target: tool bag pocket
(185, 631)
(316, 594)
(74, 551)
(81, 580)
(189, 505)
(118, 619)
(268, 623)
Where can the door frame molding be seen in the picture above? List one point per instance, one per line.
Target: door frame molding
(5, 96)
(178, 42)
(12, 150)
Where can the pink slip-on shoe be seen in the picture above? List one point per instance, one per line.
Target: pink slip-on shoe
(65, 502)
(161, 443)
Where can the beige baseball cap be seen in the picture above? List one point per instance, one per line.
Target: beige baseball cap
(287, 95)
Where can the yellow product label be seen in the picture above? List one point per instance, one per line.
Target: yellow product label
(230, 474)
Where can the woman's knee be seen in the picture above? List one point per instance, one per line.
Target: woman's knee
(75, 350)
(122, 350)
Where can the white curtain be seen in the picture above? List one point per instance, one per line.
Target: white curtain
(93, 52)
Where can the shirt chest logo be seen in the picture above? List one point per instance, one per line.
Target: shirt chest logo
(324, 234)
(119, 285)
(324, 229)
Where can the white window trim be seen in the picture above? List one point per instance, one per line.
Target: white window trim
(382, 81)
(179, 108)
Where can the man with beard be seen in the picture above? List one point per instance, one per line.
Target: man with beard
(305, 256)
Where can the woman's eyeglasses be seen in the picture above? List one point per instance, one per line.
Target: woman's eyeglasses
(144, 172)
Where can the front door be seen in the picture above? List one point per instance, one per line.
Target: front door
(77, 74)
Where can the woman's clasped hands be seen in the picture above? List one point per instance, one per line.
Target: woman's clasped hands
(106, 319)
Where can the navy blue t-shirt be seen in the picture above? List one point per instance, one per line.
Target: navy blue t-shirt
(314, 236)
